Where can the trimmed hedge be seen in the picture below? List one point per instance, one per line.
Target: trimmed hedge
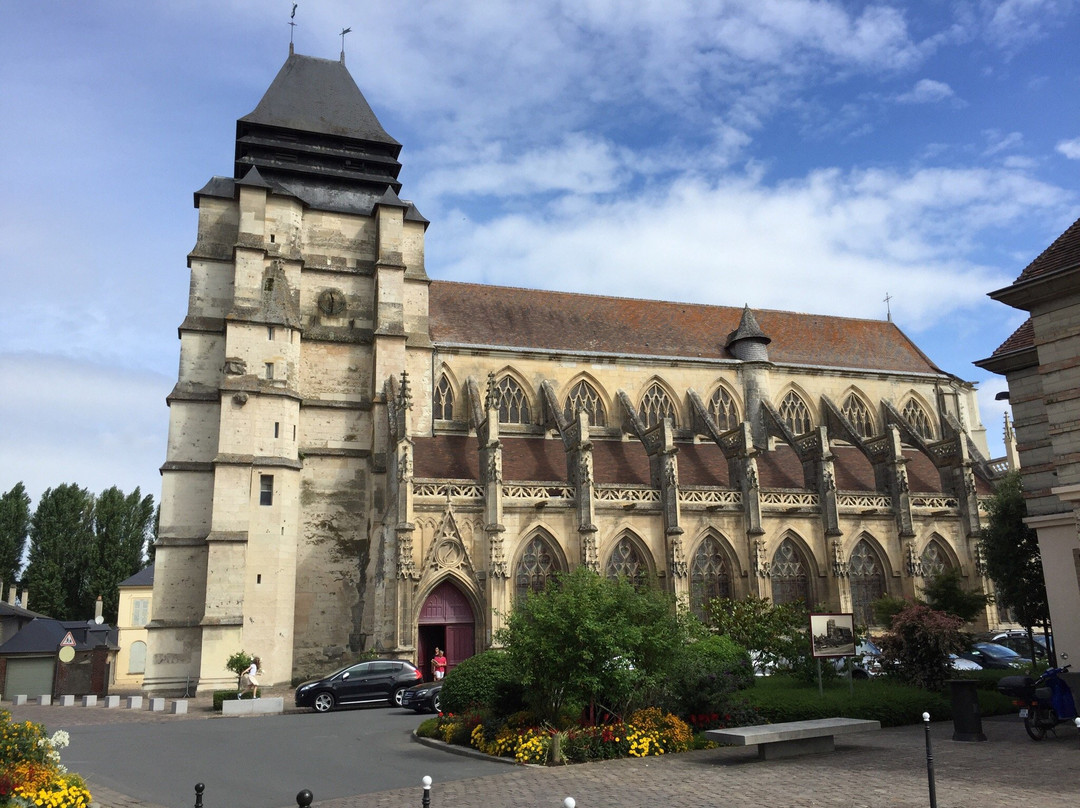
(485, 680)
(782, 698)
(224, 695)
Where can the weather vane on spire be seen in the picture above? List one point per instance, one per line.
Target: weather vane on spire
(343, 32)
(292, 25)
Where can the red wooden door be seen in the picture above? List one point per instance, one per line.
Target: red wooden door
(447, 606)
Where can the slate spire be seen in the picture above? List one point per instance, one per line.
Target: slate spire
(748, 342)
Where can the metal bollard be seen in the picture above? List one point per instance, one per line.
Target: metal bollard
(1077, 723)
(929, 762)
(569, 802)
(426, 802)
(305, 798)
(199, 789)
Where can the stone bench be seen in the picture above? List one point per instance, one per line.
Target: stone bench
(274, 705)
(793, 737)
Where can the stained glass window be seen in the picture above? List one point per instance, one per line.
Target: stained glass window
(795, 413)
(867, 582)
(513, 403)
(656, 406)
(710, 577)
(584, 397)
(536, 567)
(918, 419)
(443, 404)
(723, 410)
(790, 581)
(626, 561)
(858, 416)
(934, 560)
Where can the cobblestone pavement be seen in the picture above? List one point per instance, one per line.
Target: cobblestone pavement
(871, 770)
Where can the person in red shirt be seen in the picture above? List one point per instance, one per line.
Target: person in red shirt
(438, 665)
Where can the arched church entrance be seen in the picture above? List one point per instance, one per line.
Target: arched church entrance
(447, 622)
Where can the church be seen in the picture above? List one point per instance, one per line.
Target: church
(364, 459)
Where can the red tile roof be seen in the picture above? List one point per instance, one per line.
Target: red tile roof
(475, 314)
(1064, 253)
(1021, 338)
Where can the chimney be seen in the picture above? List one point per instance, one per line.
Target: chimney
(25, 599)
(98, 610)
(11, 595)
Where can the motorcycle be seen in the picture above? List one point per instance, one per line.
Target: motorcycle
(1044, 702)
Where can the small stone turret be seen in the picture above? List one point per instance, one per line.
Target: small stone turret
(748, 342)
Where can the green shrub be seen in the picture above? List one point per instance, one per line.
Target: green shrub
(704, 675)
(485, 680)
(224, 695)
(428, 728)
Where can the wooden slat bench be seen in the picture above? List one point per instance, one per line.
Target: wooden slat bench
(792, 738)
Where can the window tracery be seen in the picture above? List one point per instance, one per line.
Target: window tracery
(867, 578)
(626, 561)
(858, 415)
(723, 409)
(513, 403)
(795, 413)
(934, 560)
(443, 400)
(583, 396)
(537, 566)
(916, 416)
(790, 581)
(710, 577)
(656, 406)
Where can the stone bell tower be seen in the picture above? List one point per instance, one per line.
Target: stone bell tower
(307, 286)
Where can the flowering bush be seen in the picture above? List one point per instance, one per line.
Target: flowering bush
(30, 769)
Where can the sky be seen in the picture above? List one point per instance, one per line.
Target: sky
(811, 155)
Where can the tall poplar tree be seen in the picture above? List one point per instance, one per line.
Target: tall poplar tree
(14, 527)
(122, 525)
(62, 554)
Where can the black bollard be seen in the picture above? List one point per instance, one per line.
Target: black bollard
(426, 801)
(304, 798)
(199, 789)
(930, 762)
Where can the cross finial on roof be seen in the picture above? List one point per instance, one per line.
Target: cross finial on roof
(343, 32)
(292, 25)
(888, 308)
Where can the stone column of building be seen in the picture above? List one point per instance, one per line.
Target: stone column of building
(399, 407)
(497, 573)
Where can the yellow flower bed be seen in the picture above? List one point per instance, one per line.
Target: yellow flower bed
(30, 769)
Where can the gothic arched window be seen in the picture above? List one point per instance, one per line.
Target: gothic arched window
(537, 566)
(513, 403)
(626, 561)
(867, 582)
(443, 400)
(583, 396)
(934, 560)
(656, 406)
(723, 409)
(795, 413)
(710, 577)
(858, 416)
(916, 416)
(790, 580)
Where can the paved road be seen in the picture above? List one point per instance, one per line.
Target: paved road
(363, 759)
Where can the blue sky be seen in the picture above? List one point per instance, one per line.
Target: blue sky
(798, 155)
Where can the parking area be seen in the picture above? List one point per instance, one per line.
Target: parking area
(886, 768)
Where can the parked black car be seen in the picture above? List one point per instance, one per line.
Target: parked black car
(421, 697)
(992, 655)
(1018, 641)
(362, 683)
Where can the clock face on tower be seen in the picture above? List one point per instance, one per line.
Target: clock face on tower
(332, 302)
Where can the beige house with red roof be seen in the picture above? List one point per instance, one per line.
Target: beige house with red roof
(361, 457)
(1041, 362)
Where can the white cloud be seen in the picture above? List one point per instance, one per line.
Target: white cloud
(833, 242)
(1070, 148)
(81, 423)
(926, 91)
(1013, 23)
(999, 142)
